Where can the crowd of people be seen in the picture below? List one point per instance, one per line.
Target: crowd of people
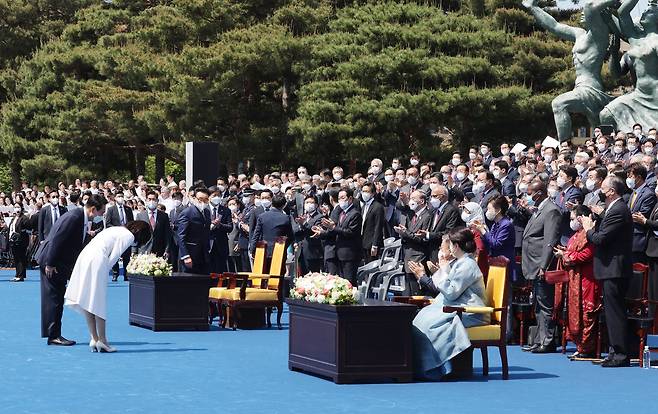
(590, 208)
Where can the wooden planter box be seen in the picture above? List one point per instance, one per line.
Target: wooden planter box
(169, 303)
(364, 342)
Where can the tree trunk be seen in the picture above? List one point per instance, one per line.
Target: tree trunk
(132, 160)
(15, 166)
(159, 163)
(140, 161)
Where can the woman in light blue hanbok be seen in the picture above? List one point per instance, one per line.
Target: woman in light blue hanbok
(440, 336)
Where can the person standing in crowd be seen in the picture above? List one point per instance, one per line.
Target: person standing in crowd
(445, 217)
(584, 292)
(221, 225)
(119, 215)
(19, 234)
(650, 223)
(160, 226)
(49, 214)
(372, 230)
(415, 245)
(484, 189)
(64, 244)
(612, 237)
(234, 260)
(501, 173)
(331, 212)
(271, 225)
(248, 196)
(567, 197)
(642, 201)
(346, 232)
(173, 222)
(194, 233)
(499, 240)
(310, 248)
(541, 235)
(595, 177)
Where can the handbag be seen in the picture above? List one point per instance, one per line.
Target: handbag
(559, 275)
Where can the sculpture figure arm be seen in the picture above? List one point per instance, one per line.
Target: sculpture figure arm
(549, 23)
(626, 24)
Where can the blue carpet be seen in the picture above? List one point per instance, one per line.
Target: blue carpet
(247, 372)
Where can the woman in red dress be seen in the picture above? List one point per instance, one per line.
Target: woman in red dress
(584, 292)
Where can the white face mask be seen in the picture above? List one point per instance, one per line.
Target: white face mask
(258, 202)
(630, 183)
(580, 168)
(366, 197)
(460, 176)
(456, 161)
(435, 202)
(389, 178)
(275, 190)
(266, 203)
(618, 150)
(504, 151)
(215, 201)
(412, 180)
(233, 208)
(466, 217)
(561, 182)
(375, 170)
(152, 205)
(548, 158)
(54, 201)
(590, 184)
(395, 166)
(490, 215)
(478, 187)
(648, 150)
(600, 147)
(484, 151)
(552, 192)
(221, 188)
(337, 177)
(344, 205)
(575, 225)
(472, 156)
(306, 187)
(309, 207)
(631, 147)
(413, 162)
(97, 219)
(523, 188)
(496, 174)
(413, 205)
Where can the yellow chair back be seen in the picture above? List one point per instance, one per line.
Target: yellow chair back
(276, 266)
(259, 258)
(496, 290)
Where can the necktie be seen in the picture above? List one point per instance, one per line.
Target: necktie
(437, 216)
(122, 216)
(55, 214)
(152, 220)
(214, 216)
(342, 217)
(562, 197)
(633, 198)
(413, 220)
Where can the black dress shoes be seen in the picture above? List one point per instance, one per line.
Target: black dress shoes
(530, 348)
(616, 363)
(544, 349)
(61, 341)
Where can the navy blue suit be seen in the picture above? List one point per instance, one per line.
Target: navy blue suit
(269, 226)
(508, 189)
(571, 195)
(64, 244)
(642, 201)
(219, 238)
(194, 239)
(347, 235)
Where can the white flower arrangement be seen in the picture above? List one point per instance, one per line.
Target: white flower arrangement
(324, 288)
(149, 265)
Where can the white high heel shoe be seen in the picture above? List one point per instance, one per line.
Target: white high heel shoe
(103, 348)
(92, 346)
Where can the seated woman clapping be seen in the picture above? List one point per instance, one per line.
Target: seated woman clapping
(440, 336)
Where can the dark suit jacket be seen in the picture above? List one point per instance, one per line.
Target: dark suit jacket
(173, 221)
(46, 220)
(441, 224)
(194, 236)
(613, 243)
(508, 189)
(65, 242)
(652, 238)
(219, 233)
(329, 240)
(414, 247)
(644, 202)
(112, 216)
(572, 195)
(23, 228)
(373, 226)
(347, 234)
(159, 243)
(460, 191)
(269, 226)
(483, 199)
(311, 248)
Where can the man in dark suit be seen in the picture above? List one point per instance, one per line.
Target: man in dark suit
(445, 217)
(49, 214)
(159, 221)
(243, 233)
(347, 234)
(220, 226)
(612, 236)
(377, 169)
(642, 200)
(271, 225)
(500, 172)
(194, 233)
(461, 187)
(311, 249)
(329, 241)
(484, 189)
(63, 246)
(173, 222)
(541, 235)
(119, 215)
(567, 198)
(263, 204)
(372, 230)
(415, 245)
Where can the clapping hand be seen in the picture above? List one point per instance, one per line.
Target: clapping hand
(558, 250)
(329, 224)
(596, 209)
(422, 233)
(417, 269)
(639, 218)
(479, 226)
(300, 219)
(433, 267)
(317, 231)
(587, 222)
(400, 229)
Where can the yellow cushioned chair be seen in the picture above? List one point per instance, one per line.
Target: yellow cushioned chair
(494, 333)
(214, 297)
(266, 291)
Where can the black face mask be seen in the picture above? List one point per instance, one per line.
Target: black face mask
(602, 196)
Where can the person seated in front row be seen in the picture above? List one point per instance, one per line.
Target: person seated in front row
(440, 336)
(440, 270)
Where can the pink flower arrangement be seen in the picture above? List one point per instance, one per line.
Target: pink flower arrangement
(324, 288)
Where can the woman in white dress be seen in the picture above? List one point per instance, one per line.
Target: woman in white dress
(87, 289)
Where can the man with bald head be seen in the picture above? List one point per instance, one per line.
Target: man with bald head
(541, 235)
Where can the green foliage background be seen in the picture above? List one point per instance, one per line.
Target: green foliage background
(96, 89)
